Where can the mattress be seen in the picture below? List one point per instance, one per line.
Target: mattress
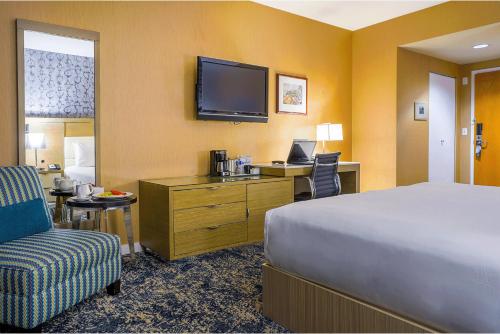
(430, 252)
(80, 174)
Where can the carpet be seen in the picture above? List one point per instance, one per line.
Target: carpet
(214, 292)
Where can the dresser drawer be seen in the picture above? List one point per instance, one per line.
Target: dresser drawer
(209, 238)
(208, 216)
(193, 198)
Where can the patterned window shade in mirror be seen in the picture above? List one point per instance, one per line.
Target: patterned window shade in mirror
(58, 85)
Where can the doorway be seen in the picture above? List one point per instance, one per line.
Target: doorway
(486, 112)
(442, 120)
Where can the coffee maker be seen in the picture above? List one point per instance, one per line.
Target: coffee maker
(218, 163)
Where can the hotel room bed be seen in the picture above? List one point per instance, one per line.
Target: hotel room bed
(430, 252)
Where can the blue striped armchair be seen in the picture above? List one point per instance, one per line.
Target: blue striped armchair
(44, 271)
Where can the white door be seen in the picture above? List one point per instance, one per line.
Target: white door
(441, 128)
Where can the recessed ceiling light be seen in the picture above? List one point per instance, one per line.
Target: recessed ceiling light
(480, 46)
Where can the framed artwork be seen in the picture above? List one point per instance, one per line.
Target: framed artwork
(421, 111)
(291, 94)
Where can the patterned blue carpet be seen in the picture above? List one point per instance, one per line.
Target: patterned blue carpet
(214, 292)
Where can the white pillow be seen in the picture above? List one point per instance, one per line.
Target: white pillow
(84, 154)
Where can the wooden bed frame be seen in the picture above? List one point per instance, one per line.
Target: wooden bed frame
(303, 306)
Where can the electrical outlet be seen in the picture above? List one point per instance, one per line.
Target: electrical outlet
(465, 81)
(464, 131)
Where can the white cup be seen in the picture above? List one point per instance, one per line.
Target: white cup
(83, 190)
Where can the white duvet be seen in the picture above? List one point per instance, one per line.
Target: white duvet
(430, 252)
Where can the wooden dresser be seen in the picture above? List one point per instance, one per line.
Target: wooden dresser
(192, 215)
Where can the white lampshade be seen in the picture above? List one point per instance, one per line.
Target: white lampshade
(35, 140)
(335, 131)
(329, 132)
(322, 132)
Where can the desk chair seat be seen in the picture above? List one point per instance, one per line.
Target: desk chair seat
(324, 180)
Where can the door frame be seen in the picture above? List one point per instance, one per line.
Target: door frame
(472, 116)
(24, 25)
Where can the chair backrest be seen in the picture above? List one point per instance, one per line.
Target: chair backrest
(21, 184)
(325, 178)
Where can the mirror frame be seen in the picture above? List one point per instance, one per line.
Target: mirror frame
(23, 25)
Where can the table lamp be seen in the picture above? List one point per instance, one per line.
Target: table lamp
(328, 132)
(35, 141)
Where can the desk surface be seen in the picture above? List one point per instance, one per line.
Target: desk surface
(200, 180)
(282, 166)
(349, 173)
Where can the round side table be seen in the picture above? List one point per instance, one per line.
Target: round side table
(61, 196)
(105, 205)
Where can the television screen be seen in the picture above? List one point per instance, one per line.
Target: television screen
(231, 91)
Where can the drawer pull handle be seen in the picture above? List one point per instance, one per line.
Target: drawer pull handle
(213, 188)
(213, 227)
(213, 206)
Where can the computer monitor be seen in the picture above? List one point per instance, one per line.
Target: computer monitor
(301, 151)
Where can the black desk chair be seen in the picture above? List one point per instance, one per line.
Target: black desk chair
(324, 180)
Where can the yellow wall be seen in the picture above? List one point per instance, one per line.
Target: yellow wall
(412, 147)
(148, 52)
(148, 66)
(412, 136)
(374, 78)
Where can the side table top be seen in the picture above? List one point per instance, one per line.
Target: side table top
(59, 192)
(101, 203)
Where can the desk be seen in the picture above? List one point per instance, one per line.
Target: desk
(348, 172)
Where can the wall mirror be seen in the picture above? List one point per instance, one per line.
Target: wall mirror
(58, 101)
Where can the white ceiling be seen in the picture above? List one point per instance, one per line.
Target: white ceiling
(55, 43)
(350, 15)
(457, 47)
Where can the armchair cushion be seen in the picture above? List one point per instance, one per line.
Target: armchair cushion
(37, 263)
(21, 194)
(23, 219)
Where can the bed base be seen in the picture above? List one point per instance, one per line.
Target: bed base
(304, 307)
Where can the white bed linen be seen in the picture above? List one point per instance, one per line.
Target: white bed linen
(429, 251)
(80, 174)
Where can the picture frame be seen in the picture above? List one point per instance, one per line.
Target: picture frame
(421, 112)
(291, 94)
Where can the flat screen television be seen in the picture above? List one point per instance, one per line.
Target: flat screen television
(231, 91)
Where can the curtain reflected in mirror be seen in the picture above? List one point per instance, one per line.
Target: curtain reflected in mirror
(59, 105)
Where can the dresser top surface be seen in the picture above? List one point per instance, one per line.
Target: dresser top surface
(199, 180)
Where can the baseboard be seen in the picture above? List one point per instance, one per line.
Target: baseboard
(126, 249)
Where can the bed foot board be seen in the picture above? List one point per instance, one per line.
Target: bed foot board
(305, 307)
